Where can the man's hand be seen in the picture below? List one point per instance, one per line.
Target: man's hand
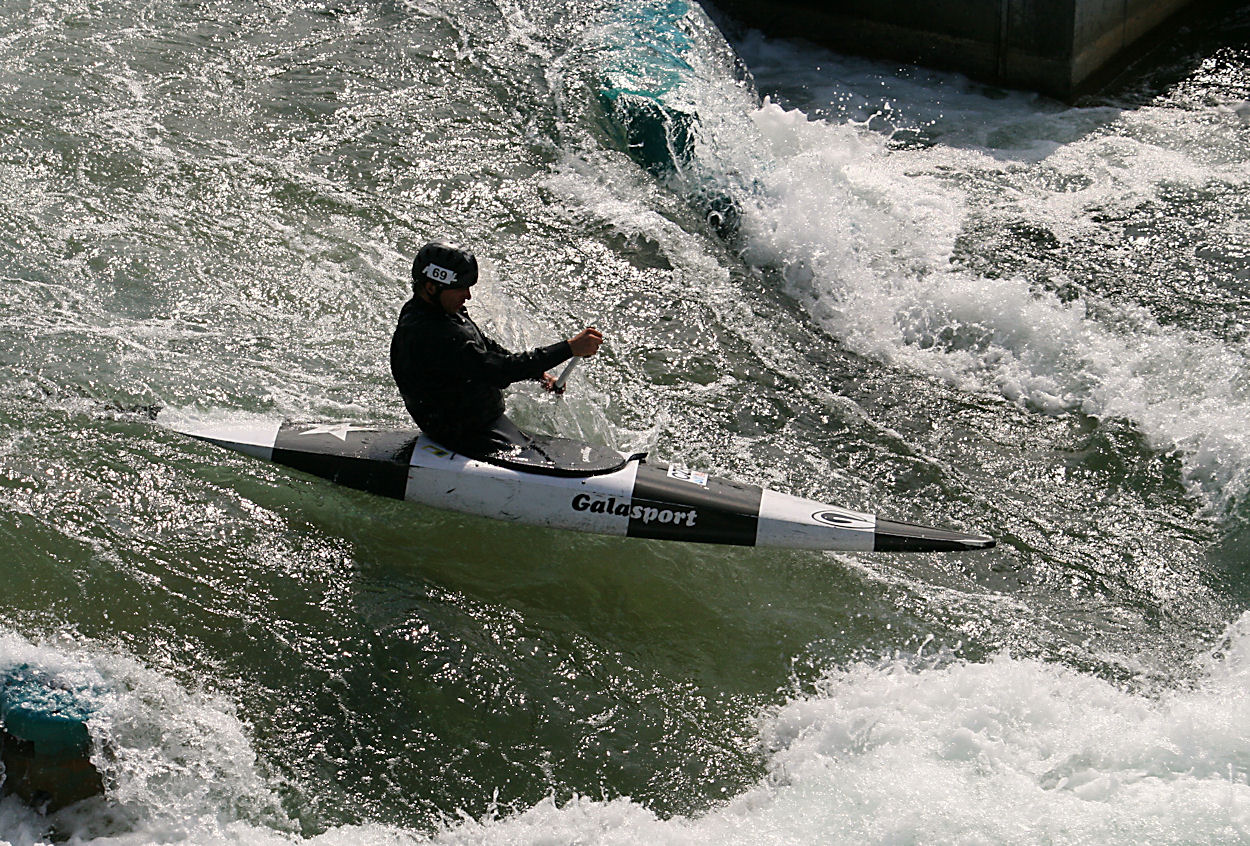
(586, 342)
(549, 384)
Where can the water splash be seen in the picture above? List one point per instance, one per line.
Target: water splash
(1005, 751)
(172, 759)
(900, 253)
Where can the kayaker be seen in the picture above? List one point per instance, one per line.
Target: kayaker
(450, 374)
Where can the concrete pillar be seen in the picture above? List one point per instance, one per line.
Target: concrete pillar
(1058, 47)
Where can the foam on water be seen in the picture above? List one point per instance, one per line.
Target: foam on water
(906, 749)
(173, 760)
(867, 237)
(1006, 751)
(867, 242)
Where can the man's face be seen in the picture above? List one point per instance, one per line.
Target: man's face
(450, 299)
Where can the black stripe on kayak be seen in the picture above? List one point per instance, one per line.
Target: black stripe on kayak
(368, 460)
(685, 506)
(906, 537)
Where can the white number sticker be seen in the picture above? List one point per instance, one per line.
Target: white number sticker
(694, 477)
(441, 275)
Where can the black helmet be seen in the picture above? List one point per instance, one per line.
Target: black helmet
(444, 264)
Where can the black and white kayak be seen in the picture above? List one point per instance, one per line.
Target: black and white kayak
(565, 484)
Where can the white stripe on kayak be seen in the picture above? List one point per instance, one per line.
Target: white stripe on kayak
(445, 479)
(796, 523)
(254, 439)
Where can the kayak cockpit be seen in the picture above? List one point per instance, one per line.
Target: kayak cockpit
(517, 449)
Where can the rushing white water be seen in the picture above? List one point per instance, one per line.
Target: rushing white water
(175, 763)
(903, 750)
(867, 236)
(214, 215)
(1005, 751)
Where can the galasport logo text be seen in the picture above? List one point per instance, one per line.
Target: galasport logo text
(642, 513)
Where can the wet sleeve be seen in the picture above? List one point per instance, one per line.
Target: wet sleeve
(486, 360)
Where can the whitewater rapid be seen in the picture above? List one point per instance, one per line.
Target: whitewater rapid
(915, 748)
(944, 299)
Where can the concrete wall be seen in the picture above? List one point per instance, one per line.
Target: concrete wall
(1057, 47)
(1107, 29)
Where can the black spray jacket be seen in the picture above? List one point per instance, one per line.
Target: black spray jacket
(452, 376)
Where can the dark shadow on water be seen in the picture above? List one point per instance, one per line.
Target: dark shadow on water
(918, 107)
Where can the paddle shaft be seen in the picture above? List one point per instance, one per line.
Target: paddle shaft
(564, 374)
